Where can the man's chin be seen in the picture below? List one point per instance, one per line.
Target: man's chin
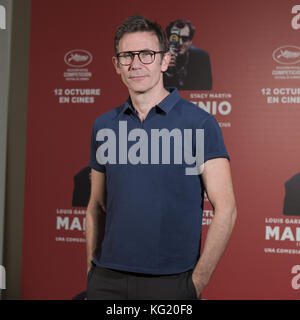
(139, 89)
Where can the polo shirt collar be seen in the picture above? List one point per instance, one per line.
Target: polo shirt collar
(170, 100)
(166, 105)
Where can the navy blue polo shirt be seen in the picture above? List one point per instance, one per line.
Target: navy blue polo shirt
(153, 208)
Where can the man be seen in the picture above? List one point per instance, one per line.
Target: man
(153, 209)
(189, 68)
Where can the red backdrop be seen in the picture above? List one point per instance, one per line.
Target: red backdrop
(255, 56)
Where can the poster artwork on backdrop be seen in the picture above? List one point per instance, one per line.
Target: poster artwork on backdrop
(77, 62)
(287, 56)
(190, 69)
(284, 232)
(70, 221)
(287, 59)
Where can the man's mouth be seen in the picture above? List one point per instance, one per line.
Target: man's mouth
(137, 77)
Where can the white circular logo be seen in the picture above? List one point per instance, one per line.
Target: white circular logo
(78, 58)
(287, 55)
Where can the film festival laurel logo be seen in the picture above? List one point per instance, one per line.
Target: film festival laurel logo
(288, 60)
(77, 60)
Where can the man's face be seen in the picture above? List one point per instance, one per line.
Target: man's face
(184, 38)
(139, 77)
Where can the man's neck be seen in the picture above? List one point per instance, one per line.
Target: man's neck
(143, 102)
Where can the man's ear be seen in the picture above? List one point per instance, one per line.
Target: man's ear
(165, 61)
(116, 64)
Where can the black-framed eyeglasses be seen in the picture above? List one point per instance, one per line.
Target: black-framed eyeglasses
(125, 58)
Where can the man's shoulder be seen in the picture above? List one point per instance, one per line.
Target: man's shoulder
(197, 51)
(108, 116)
(189, 109)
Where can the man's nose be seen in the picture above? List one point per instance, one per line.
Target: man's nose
(136, 63)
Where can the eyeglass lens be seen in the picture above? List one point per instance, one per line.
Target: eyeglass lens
(145, 57)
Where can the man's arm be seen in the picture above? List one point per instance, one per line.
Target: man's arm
(96, 206)
(218, 184)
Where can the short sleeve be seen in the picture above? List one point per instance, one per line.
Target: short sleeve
(214, 146)
(94, 164)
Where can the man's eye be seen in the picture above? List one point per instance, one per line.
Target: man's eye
(125, 55)
(146, 53)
